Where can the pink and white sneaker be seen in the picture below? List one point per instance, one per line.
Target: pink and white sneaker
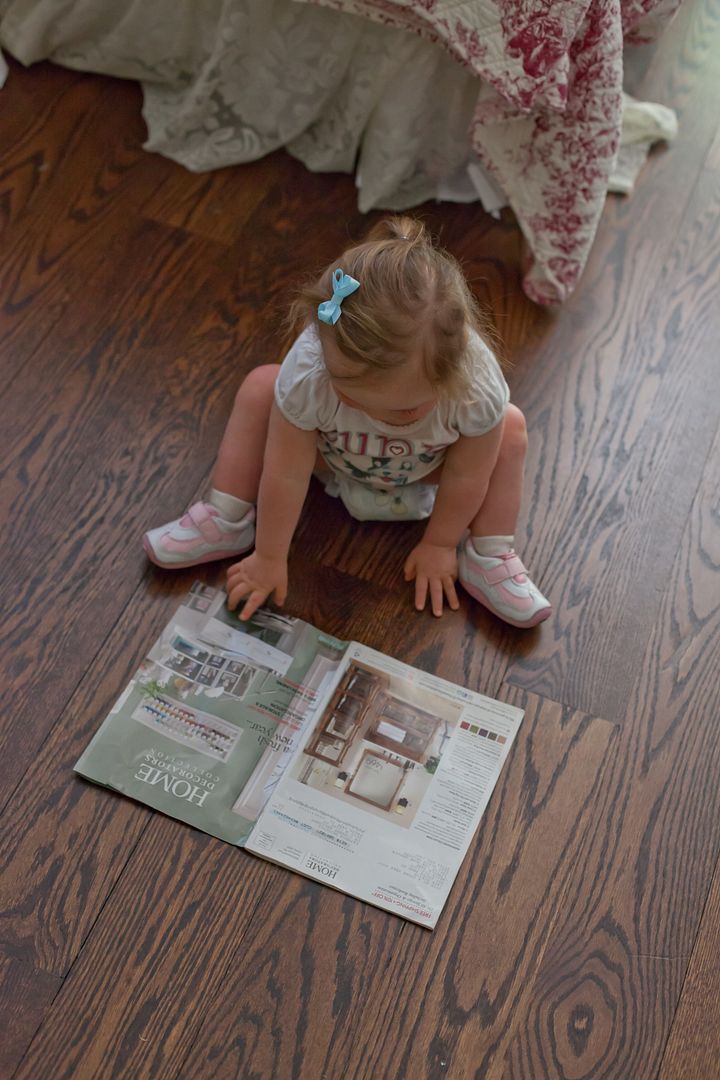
(501, 583)
(199, 536)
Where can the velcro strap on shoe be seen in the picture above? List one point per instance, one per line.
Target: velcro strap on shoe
(506, 569)
(204, 522)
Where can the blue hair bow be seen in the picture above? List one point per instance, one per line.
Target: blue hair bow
(343, 285)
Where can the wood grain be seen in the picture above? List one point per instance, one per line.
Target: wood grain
(73, 478)
(134, 297)
(64, 842)
(293, 1008)
(51, 99)
(623, 409)
(136, 999)
(216, 204)
(25, 996)
(609, 982)
(693, 1049)
(58, 891)
(643, 458)
(92, 179)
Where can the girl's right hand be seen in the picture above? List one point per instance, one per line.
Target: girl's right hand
(256, 578)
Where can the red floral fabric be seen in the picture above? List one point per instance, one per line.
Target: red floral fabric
(547, 121)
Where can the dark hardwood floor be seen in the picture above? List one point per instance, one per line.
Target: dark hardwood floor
(581, 938)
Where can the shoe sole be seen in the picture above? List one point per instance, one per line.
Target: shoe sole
(211, 556)
(538, 617)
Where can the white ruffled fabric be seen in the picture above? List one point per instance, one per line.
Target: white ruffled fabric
(228, 81)
(415, 115)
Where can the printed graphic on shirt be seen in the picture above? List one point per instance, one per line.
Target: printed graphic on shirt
(382, 460)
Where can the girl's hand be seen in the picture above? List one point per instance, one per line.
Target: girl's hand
(434, 568)
(256, 577)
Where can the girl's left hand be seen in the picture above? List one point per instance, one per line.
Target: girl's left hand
(433, 568)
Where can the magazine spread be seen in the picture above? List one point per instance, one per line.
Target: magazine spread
(324, 756)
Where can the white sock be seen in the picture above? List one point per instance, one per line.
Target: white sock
(493, 546)
(230, 508)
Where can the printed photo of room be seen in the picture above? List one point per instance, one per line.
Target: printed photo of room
(205, 668)
(378, 743)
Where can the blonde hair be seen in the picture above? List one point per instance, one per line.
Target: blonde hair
(413, 298)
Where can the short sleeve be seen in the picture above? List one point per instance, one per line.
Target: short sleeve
(489, 394)
(302, 391)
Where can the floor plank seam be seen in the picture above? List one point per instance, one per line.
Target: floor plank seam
(50, 1005)
(701, 917)
(596, 840)
(572, 705)
(87, 674)
(78, 955)
(147, 574)
(659, 956)
(19, 371)
(221, 982)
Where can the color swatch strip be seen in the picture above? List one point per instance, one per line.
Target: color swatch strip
(483, 733)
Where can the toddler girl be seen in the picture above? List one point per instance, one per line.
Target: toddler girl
(391, 396)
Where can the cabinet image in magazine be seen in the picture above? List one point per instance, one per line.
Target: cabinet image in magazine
(346, 715)
(378, 742)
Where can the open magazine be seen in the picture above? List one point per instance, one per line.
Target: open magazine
(321, 755)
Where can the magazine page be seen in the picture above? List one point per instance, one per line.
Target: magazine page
(205, 728)
(385, 795)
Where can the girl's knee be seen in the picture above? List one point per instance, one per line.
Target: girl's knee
(258, 387)
(514, 437)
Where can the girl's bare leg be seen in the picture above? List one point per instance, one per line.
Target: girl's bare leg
(488, 568)
(240, 459)
(500, 510)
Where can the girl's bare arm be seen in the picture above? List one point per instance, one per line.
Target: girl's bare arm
(289, 459)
